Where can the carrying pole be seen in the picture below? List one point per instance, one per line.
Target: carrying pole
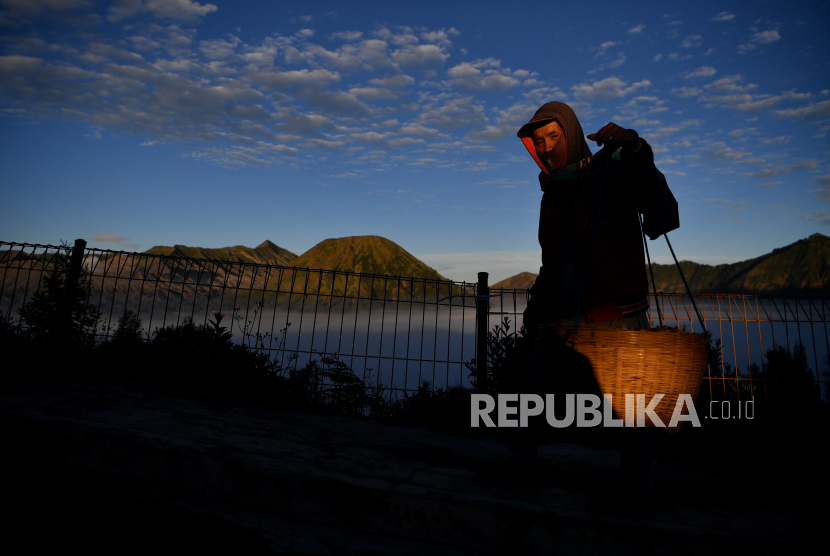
(666, 235)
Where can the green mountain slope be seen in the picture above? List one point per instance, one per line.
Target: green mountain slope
(411, 278)
(266, 253)
(801, 268)
(365, 254)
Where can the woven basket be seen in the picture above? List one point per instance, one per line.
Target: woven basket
(647, 362)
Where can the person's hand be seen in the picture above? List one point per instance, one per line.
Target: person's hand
(614, 136)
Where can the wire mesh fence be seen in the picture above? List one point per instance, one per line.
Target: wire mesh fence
(393, 331)
(746, 327)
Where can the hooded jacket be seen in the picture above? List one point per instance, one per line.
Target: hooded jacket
(616, 284)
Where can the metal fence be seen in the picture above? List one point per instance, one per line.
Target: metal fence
(395, 331)
(748, 326)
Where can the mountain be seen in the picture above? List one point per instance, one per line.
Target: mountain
(802, 268)
(365, 254)
(266, 253)
(521, 281)
(372, 255)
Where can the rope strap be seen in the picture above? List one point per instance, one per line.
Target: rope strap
(662, 231)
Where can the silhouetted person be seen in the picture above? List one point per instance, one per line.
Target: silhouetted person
(616, 289)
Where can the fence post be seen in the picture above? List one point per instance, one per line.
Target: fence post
(482, 322)
(71, 284)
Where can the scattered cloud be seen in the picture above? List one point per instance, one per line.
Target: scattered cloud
(719, 150)
(441, 37)
(452, 113)
(729, 92)
(762, 37)
(741, 132)
(781, 139)
(610, 87)
(117, 240)
(420, 55)
(731, 205)
(821, 216)
(483, 74)
(238, 102)
(37, 6)
(686, 92)
(773, 171)
(602, 48)
(692, 41)
(812, 111)
(666, 130)
(615, 63)
(704, 71)
(347, 35)
(182, 10)
(724, 16)
(824, 191)
(766, 37)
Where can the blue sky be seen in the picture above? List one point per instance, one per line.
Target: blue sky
(145, 122)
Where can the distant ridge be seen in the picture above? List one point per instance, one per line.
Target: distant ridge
(801, 268)
(362, 254)
(265, 253)
(521, 281)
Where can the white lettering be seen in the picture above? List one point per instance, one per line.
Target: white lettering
(569, 412)
(727, 408)
(629, 410)
(477, 412)
(677, 416)
(648, 410)
(607, 413)
(586, 406)
(525, 411)
(504, 410)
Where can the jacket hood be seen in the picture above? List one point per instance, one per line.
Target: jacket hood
(577, 146)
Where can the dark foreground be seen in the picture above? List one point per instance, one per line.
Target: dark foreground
(110, 468)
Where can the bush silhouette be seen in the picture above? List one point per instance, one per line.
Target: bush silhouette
(50, 317)
(506, 353)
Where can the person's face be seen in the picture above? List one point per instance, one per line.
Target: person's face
(551, 145)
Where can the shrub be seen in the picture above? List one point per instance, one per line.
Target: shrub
(507, 352)
(50, 317)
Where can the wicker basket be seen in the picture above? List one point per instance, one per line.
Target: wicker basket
(646, 362)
